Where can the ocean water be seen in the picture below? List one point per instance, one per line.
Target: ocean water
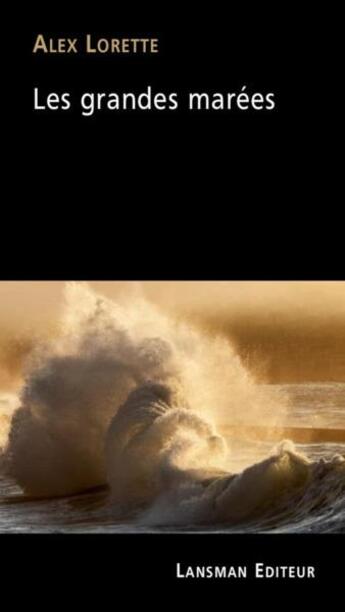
(129, 420)
(267, 486)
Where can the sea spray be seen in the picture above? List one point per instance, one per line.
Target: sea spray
(154, 444)
(104, 351)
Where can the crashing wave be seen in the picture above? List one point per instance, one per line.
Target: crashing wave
(124, 395)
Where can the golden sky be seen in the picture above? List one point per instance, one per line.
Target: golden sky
(276, 322)
(33, 300)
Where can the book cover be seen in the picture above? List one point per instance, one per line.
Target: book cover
(172, 306)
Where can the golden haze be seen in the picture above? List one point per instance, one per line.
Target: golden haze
(283, 331)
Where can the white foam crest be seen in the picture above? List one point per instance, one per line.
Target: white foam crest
(75, 383)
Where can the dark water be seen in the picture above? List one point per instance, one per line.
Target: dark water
(318, 506)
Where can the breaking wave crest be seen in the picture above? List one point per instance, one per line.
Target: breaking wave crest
(124, 395)
(165, 466)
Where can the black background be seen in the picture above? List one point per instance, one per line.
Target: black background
(169, 196)
(174, 195)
